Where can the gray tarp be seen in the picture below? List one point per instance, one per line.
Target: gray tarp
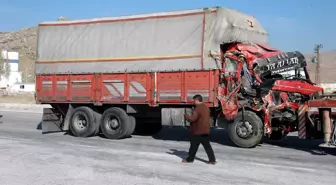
(61, 44)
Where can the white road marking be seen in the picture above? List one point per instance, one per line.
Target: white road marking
(24, 111)
(13, 138)
(285, 167)
(118, 151)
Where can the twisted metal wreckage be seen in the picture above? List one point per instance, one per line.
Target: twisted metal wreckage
(264, 82)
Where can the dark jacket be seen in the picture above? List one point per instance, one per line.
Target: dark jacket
(199, 120)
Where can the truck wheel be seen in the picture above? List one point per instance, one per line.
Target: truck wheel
(132, 123)
(248, 134)
(83, 122)
(98, 118)
(115, 123)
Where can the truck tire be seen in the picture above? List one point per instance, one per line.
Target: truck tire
(132, 123)
(246, 135)
(83, 122)
(98, 118)
(115, 123)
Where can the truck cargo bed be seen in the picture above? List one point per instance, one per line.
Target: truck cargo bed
(141, 88)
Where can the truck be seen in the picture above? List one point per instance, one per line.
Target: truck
(117, 76)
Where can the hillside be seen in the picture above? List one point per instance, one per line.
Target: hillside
(24, 42)
(328, 66)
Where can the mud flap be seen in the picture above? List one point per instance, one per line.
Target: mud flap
(175, 116)
(51, 121)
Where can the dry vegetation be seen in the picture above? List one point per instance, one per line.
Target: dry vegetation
(15, 97)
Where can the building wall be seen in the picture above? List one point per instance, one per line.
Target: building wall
(328, 87)
(14, 75)
(23, 87)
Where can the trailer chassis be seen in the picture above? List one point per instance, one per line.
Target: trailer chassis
(324, 106)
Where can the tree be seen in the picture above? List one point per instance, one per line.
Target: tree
(4, 68)
(62, 18)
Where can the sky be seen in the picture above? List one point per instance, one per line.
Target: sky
(291, 24)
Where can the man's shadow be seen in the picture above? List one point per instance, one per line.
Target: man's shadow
(183, 155)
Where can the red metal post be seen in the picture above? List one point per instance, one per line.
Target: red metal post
(38, 87)
(126, 88)
(326, 124)
(183, 87)
(68, 90)
(53, 87)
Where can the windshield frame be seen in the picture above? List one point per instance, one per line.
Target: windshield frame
(298, 70)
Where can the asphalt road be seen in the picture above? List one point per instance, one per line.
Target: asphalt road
(29, 158)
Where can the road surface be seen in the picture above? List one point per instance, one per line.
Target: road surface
(29, 158)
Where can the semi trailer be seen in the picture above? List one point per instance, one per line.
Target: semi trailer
(137, 73)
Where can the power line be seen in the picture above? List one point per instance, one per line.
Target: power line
(318, 62)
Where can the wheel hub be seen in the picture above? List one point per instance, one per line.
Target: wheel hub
(80, 122)
(112, 124)
(244, 129)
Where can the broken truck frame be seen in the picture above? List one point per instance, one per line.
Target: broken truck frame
(321, 117)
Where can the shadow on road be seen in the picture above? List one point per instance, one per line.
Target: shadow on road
(183, 155)
(310, 146)
(221, 137)
(181, 134)
(39, 126)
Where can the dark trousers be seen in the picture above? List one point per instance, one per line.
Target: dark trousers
(195, 141)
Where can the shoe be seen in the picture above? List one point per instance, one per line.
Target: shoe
(211, 162)
(185, 161)
(327, 145)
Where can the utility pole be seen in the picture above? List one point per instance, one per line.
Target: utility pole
(318, 62)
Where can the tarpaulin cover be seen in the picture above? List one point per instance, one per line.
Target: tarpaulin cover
(169, 41)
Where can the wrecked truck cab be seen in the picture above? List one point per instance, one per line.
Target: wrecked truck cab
(290, 65)
(263, 90)
(288, 72)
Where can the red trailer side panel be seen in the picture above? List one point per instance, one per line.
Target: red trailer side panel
(134, 88)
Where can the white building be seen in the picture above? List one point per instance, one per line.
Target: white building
(14, 75)
(328, 87)
(23, 87)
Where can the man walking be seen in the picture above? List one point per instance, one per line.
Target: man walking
(199, 130)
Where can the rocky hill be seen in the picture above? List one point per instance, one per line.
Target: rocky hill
(24, 41)
(327, 66)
